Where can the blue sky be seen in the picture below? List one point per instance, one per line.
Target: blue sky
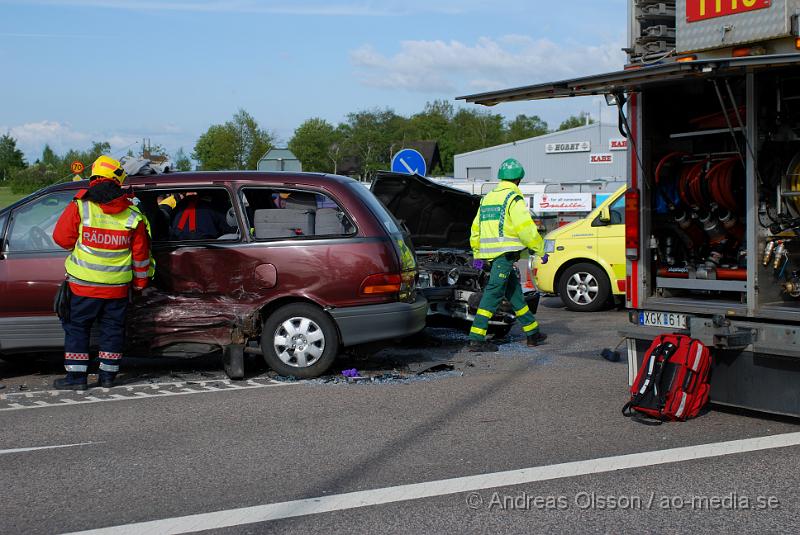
(120, 70)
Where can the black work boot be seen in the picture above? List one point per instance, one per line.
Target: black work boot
(73, 381)
(106, 380)
(482, 346)
(536, 339)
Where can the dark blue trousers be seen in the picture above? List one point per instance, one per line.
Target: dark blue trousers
(110, 317)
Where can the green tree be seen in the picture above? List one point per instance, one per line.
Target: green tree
(434, 123)
(182, 161)
(525, 127)
(574, 121)
(474, 129)
(313, 143)
(369, 136)
(216, 149)
(237, 144)
(52, 168)
(87, 157)
(11, 157)
(50, 158)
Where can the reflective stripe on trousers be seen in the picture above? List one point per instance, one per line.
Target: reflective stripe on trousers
(503, 284)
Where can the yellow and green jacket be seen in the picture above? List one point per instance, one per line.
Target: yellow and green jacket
(504, 225)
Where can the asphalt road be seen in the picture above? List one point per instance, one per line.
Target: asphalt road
(179, 440)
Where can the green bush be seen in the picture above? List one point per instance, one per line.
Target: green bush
(34, 177)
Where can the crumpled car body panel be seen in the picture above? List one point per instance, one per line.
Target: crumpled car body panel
(439, 219)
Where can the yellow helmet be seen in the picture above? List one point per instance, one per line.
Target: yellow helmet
(108, 167)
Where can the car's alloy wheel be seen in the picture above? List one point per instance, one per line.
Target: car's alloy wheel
(299, 340)
(584, 287)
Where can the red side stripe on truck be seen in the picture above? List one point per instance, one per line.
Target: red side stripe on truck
(633, 111)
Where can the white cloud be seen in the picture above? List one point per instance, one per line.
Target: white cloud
(281, 7)
(32, 137)
(445, 67)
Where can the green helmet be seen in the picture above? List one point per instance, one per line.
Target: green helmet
(511, 169)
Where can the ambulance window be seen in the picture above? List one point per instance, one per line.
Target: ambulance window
(32, 224)
(617, 211)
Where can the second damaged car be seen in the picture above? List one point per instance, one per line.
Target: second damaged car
(438, 219)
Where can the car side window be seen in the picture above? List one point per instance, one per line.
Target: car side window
(617, 211)
(32, 224)
(276, 213)
(189, 214)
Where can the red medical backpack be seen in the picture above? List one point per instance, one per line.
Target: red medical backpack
(673, 380)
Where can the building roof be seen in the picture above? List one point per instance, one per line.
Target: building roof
(429, 151)
(349, 165)
(279, 154)
(545, 137)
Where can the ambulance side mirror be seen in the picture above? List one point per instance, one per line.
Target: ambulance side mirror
(603, 218)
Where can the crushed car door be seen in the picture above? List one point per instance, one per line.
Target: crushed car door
(200, 291)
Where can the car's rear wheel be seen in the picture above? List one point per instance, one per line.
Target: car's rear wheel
(299, 340)
(584, 288)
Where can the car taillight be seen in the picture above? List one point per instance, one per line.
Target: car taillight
(382, 284)
(632, 224)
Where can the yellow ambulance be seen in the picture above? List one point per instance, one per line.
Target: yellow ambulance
(585, 260)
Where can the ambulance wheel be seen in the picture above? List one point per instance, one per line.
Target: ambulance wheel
(584, 288)
(299, 340)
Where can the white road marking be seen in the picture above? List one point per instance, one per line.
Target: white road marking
(129, 388)
(198, 388)
(36, 448)
(430, 489)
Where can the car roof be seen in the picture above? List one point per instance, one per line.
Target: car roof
(247, 178)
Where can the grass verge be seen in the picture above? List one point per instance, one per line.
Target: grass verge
(6, 197)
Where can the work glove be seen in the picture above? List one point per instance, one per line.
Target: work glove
(477, 263)
(544, 258)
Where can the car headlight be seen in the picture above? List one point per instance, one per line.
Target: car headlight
(549, 246)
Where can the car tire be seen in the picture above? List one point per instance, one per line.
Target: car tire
(299, 340)
(584, 287)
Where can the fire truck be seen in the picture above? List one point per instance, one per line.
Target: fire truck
(709, 101)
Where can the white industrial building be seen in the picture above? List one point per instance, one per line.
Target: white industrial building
(595, 151)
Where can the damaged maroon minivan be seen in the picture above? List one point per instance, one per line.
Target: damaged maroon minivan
(303, 265)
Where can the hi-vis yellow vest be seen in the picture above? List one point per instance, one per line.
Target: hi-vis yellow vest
(503, 224)
(102, 255)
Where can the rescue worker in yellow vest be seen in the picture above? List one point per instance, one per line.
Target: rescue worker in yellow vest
(502, 233)
(109, 240)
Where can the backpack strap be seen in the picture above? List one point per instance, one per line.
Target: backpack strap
(652, 379)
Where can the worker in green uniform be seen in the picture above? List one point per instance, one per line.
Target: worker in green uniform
(502, 233)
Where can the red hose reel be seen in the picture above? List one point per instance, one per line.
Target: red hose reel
(706, 180)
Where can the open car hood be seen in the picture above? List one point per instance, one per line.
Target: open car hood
(437, 216)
